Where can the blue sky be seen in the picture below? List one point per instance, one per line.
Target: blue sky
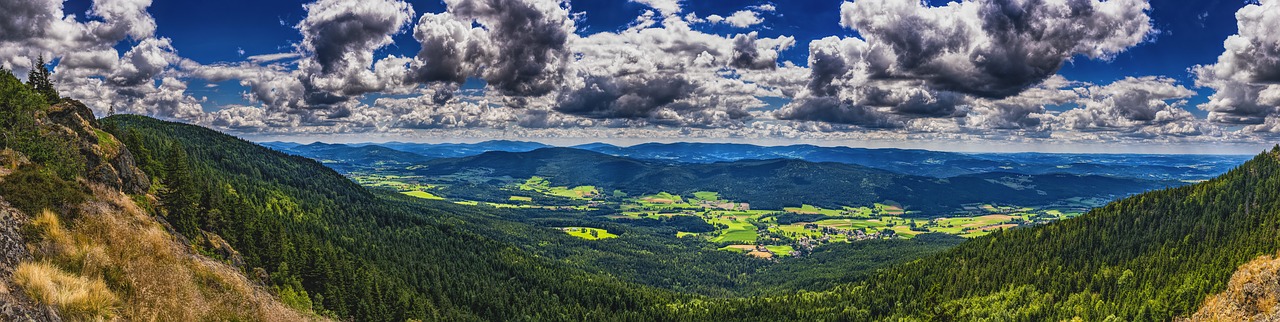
(1102, 73)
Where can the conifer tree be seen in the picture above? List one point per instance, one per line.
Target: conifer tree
(180, 196)
(40, 81)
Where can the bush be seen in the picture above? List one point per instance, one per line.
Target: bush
(33, 188)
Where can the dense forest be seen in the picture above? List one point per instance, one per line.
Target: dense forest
(331, 245)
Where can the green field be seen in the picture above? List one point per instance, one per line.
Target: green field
(542, 185)
(422, 194)
(706, 195)
(781, 250)
(521, 198)
(588, 233)
(737, 230)
(811, 210)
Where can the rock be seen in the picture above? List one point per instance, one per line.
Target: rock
(107, 160)
(223, 249)
(14, 304)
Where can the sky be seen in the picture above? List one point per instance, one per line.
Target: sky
(1180, 76)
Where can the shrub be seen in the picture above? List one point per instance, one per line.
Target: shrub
(33, 188)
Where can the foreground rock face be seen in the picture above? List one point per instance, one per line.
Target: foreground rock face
(1253, 294)
(14, 304)
(106, 160)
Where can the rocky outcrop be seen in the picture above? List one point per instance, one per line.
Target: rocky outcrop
(14, 304)
(107, 161)
(223, 249)
(1252, 294)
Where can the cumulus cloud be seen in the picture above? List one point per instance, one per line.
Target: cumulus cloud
(518, 47)
(39, 27)
(1246, 77)
(743, 19)
(990, 48)
(669, 74)
(142, 80)
(915, 61)
(1147, 105)
(339, 38)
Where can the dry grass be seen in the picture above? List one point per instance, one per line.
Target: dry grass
(76, 297)
(1252, 294)
(154, 276)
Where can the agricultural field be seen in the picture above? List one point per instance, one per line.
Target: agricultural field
(422, 194)
(756, 232)
(588, 233)
(407, 185)
(542, 185)
(735, 229)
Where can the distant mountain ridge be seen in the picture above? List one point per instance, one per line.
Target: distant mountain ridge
(907, 161)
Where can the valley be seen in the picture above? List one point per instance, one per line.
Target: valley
(780, 230)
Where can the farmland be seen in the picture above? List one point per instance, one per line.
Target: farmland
(762, 233)
(588, 233)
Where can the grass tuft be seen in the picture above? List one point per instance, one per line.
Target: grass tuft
(78, 297)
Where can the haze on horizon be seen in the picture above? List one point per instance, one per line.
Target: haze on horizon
(1119, 76)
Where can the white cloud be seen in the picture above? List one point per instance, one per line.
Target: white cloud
(666, 7)
(743, 19)
(1246, 77)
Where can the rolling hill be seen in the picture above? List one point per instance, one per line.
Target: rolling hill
(941, 164)
(1154, 256)
(777, 183)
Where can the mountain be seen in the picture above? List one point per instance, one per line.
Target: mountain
(343, 157)
(777, 183)
(941, 164)
(454, 150)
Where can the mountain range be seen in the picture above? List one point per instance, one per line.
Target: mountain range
(915, 162)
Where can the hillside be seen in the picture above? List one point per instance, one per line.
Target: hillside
(78, 239)
(349, 253)
(777, 183)
(343, 157)
(1150, 257)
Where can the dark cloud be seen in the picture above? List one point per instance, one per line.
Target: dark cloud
(450, 50)
(27, 19)
(832, 110)
(993, 48)
(520, 51)
(746, 54)
(636, 97)
(340, 34)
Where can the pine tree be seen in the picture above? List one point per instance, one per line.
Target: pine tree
(180, 197)
(40, 81)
